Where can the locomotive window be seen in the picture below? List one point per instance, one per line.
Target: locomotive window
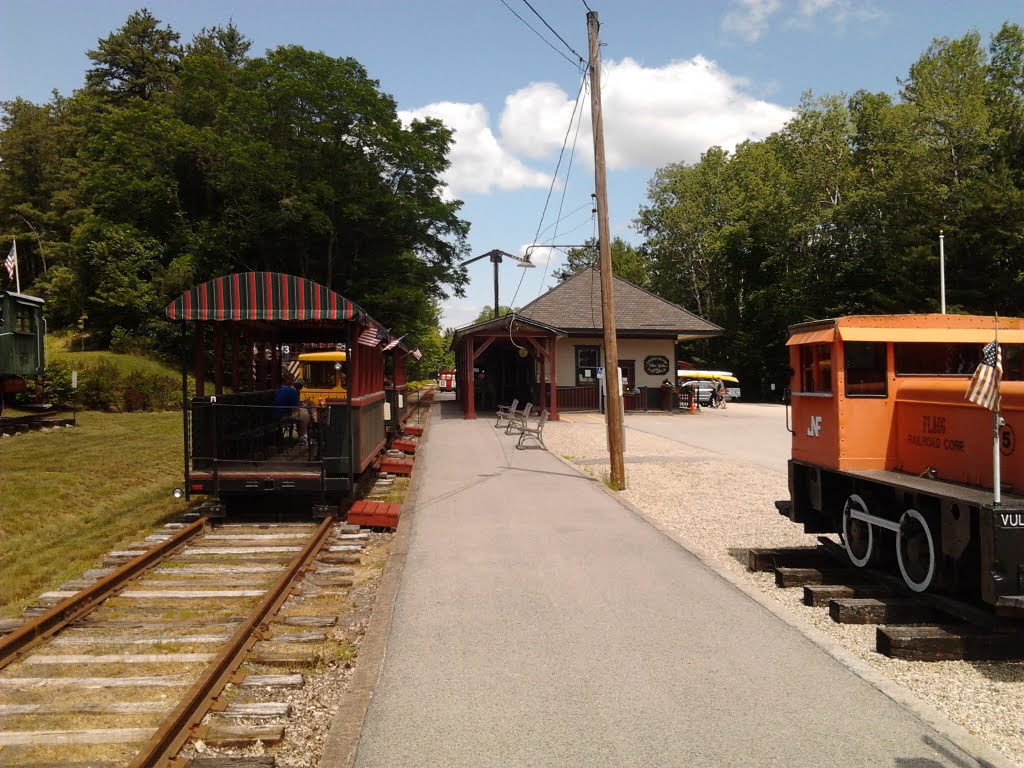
(320, 375)
(949, 359)
(23, 320)
(587, 361)
(816, 368)
(866, 370)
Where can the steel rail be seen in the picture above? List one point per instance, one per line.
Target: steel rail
(180, 725)
(14, 645)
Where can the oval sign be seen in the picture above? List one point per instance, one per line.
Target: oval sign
(656, 365)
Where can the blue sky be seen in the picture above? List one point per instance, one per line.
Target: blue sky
(679, 76)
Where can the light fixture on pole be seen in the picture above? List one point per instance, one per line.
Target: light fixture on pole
(496, 256)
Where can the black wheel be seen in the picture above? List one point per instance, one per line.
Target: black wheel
(858, 535)
(915, 551)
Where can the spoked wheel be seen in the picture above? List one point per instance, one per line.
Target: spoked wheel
(915, 551)
(858, 536)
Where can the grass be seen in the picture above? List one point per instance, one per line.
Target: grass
(60, 347)
(68, 496)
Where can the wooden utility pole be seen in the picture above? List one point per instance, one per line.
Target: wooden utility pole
(613, 410)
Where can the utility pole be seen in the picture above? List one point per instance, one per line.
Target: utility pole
(613, 412)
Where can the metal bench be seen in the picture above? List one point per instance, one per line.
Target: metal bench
(517, 419)
(504, 412)
(534, 431)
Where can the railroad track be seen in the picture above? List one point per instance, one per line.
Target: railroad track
(15, 425)
(124, 669)
(911, 626)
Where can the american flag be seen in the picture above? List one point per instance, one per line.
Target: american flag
(370, 337)
(417, 354)
(984, 387)
(393, 343)
(12, 260)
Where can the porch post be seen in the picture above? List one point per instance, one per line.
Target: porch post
(542, 389)
(552, 347)
(218, 358)
(471, 389)
(197, 359)
(261, 364)
(235, 373)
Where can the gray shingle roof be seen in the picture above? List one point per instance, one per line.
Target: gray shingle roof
(575, 305)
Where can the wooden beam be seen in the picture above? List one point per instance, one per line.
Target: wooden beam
(553, 346)
(236, 383)
(218, 358)
(483, 347)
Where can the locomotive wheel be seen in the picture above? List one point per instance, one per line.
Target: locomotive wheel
(915, 551)
(858, 535)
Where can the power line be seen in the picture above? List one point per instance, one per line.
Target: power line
(587, 6)
(538, 34)
(581, 59)
(554, 176)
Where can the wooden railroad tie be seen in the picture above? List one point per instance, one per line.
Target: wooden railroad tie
(799, 577)
(768, 559)
(375, 514)
(405, 446)
(950, 642)
(417, 431)
(821, 594)
(886, 610)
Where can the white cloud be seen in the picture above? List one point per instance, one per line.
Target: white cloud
(479, 163)
(652, 116)
(456, 315)
(750, 19)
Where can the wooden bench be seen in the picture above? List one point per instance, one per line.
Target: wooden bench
(534, 431)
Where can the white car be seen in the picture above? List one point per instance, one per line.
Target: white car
(705, 390)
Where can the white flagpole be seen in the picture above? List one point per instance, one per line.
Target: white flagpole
(942, 272)
(17, 275)
(996, 456)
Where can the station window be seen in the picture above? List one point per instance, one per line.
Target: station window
(816, 368)
(588, 359)
(628, 373)
(866, 369)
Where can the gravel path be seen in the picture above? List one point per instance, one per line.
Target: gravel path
(718, 508)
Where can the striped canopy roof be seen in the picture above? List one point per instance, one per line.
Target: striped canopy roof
(262, 296)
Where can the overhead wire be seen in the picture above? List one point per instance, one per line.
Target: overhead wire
(538, 34)
(554, 176)
(573, 50)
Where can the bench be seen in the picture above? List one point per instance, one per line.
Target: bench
(534, 431)
(517, 419)
(504, 411)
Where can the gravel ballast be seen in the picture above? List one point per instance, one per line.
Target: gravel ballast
(718, 507)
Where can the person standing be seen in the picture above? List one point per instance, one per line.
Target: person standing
(719, 394)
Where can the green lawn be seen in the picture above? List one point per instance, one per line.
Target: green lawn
(68, 496)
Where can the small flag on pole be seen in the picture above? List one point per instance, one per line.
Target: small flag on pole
(417, 354)
(12, 260)
(370, 337)
(394, 343)
(984, 386)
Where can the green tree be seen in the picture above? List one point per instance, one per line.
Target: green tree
(140, 60)
(628, 262)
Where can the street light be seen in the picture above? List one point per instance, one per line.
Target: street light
(496, 256)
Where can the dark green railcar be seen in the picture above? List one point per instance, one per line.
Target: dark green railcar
(22, 341)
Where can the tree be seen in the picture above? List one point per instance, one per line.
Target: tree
(487, 313)
(627, 262)
(140, 60)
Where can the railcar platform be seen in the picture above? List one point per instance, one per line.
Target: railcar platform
(538, 621)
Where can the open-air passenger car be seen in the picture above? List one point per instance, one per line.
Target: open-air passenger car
(887, 451)
(237, 443)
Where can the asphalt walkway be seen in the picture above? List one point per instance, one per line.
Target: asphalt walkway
(539, 622)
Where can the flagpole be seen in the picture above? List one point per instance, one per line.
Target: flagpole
(17, 274)
(996, 456)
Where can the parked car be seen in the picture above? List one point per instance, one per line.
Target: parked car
(705, 391)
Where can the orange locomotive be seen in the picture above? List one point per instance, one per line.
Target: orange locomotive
(889, 453)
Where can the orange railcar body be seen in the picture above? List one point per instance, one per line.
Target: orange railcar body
(922, 424)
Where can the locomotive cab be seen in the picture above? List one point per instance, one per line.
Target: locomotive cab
(325, 377)
(888, 453)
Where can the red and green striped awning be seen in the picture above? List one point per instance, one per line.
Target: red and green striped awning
(262, 296)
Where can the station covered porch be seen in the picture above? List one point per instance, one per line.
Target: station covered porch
(505, 359)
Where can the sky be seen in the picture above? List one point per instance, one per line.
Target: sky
(678, 77)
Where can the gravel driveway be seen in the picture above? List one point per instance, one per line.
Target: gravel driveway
(710, 481)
